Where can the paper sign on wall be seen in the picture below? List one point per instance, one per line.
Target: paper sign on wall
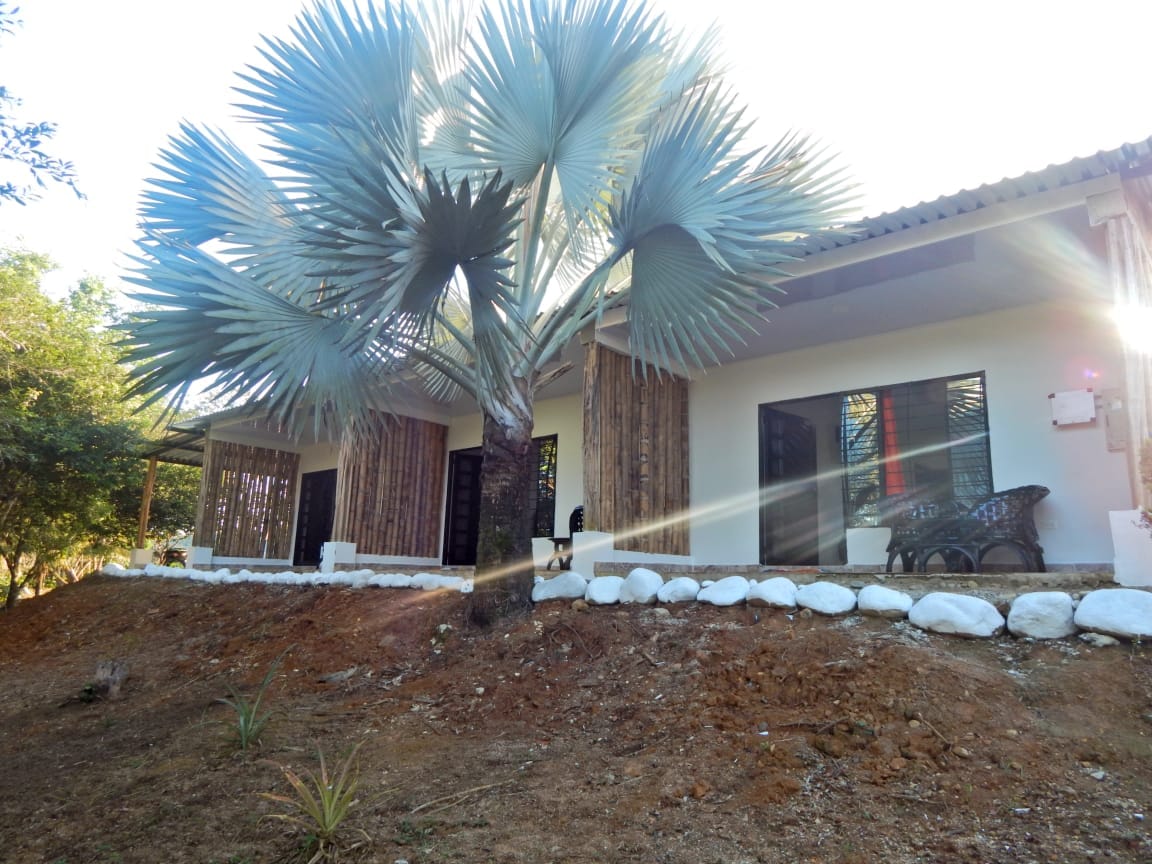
(1073, 406)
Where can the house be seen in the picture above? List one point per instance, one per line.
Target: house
(959, 346)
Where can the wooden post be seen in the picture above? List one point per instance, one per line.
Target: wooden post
(593, 471)
(146, 503)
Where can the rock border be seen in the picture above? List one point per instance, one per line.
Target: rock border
(1100, 616)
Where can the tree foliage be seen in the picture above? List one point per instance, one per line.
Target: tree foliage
(452, 201)
(70, 481)
(28, 165)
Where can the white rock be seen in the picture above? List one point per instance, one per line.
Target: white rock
(641, 586)
(391, 580)
(1122, 612)
(433, 581)
(827, 598)
(724, 592)
(959, 614)
(114, 570)
(778, 592)
(564, 586)
(603, 590)
(1099, 640)
(883, 602)
(682, 589)
(1042, 615)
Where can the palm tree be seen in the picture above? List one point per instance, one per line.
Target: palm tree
(450, 200)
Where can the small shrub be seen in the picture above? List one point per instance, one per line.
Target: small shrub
(320, 804)
(250, 717)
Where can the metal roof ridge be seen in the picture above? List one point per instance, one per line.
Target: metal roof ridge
(1125, 158)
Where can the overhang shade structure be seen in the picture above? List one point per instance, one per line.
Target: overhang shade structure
(182, 444)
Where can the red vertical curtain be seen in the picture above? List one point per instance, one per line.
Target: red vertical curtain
(894, 482)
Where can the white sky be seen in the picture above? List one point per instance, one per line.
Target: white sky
(921, 99)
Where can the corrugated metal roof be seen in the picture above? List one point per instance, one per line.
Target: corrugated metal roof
(1124, 159)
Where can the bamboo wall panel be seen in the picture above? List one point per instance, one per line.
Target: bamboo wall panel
(247, 500)
(635, 454)
(390, 488)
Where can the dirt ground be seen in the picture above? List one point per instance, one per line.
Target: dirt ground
(693, 734)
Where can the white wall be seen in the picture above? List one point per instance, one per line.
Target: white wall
(319, 457)
(561, 417)
(1025, 353)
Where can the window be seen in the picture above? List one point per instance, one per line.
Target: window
(929, 437)
(545, 519)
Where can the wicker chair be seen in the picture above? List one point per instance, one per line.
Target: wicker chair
(909, 515)
(1002, 519)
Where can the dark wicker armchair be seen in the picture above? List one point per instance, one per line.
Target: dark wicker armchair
(909, 515)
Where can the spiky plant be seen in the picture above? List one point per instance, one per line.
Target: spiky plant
(452, 199)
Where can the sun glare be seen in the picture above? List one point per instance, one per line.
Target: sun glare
(1135, 326)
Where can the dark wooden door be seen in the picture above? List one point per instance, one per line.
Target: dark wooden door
(789, 518)
(317, 510)
(462, 519)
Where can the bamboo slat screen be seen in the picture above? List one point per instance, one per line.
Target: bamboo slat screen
(247, 500)
(635, 454)
(390, 488)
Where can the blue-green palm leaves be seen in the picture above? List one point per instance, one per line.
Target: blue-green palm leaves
(452, 201)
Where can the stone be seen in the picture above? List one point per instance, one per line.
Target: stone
(603, 590)
(729, 591)
(827, 598)
(641, 586)
(682, 589)
(956, 614)
(1099, 640)
(1125, 613)
(778, 592)
(1042, 615)
(434, 582)
(567, 585)
(881, 602)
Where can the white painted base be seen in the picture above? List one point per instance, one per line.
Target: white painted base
(588, 547)
(200, 556)
(868, 547)
(1133, 546)
(541, 552)
(138, 558)
(336, 552)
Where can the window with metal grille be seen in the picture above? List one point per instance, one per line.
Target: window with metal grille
(928, 437)
(545, 520)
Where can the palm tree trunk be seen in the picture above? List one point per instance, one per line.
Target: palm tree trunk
(504, 568)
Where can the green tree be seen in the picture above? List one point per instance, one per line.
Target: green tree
(67, 443)
(455, 199)
(22, 143)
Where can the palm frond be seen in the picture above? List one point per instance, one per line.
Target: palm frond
(563, 87)
(206, 320)
(210, 190)
(342, 70)
(708, 228)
